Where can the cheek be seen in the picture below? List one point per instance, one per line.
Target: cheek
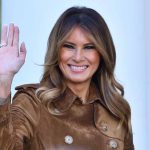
(95, 59)
(63, 61)
(64, 57)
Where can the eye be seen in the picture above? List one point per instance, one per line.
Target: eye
(66, 45)
(89, 47)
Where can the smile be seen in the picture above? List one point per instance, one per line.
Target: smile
(78, 68)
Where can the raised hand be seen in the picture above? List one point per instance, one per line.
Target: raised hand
(11, 56)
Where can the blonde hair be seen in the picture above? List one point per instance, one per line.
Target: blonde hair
(52, 84)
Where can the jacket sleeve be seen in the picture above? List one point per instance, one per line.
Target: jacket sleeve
(17, 121)
(128, 142)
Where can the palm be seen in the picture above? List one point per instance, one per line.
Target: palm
(11, 60)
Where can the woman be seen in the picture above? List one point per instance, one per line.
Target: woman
(78, 104)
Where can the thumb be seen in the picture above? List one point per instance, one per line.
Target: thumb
(22, 53)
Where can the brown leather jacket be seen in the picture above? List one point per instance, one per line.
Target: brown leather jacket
(27, 124)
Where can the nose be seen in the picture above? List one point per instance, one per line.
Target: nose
(78, 55)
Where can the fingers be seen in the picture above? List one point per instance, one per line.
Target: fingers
(11, 34)
(13, 39)
(4, 35)
(16, 37)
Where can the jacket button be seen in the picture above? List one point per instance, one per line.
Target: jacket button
(104, 126)
(68, 139)
(113, 144)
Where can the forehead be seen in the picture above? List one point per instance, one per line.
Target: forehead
(79, 34)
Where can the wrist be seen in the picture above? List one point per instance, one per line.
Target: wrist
(5, 100)
(5, 84)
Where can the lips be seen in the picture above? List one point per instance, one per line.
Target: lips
(78, 68)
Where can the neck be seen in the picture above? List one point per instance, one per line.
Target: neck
(80, 89)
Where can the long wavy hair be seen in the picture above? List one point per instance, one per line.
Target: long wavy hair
(52, 83)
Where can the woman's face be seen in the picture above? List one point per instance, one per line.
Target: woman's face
(79, 59)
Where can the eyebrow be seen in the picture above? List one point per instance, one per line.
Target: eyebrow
(67, 42)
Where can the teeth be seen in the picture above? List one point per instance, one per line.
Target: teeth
(78, 68)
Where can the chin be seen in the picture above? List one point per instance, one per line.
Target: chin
(78, 80)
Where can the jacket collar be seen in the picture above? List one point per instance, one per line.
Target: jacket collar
(66, 100)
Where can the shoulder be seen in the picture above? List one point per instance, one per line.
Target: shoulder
(27, 86)
(26, 93)
(26, 102)
(25, 110)
(28, 89)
